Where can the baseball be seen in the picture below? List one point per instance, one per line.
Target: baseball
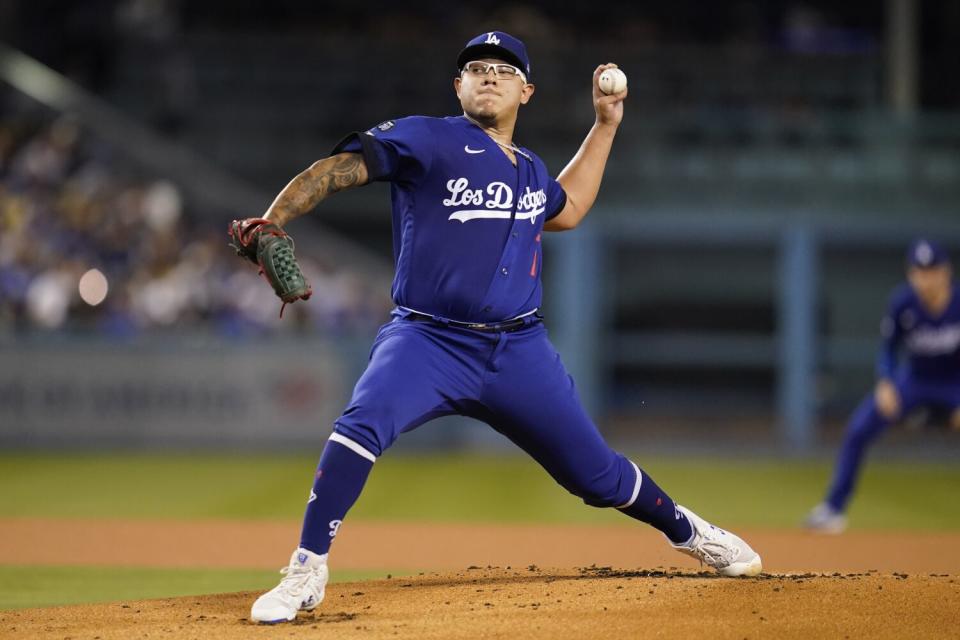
(613, 81)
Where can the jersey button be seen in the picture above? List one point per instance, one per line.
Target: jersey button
(515, 234)
(504, 271)
(487, 309)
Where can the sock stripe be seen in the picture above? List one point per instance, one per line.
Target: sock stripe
(361, 451)
(636, 488)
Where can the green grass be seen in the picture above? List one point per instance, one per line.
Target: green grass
(23, 587)
(772, 493)
(768, 493)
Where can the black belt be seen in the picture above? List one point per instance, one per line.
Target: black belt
(488, 327)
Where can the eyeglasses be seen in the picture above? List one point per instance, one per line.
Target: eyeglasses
(502, 70)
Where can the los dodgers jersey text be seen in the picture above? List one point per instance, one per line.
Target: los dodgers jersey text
(467, 223)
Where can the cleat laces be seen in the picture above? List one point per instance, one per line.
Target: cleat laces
(296, 578)
(713, 550)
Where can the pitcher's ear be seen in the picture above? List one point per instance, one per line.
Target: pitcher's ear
(526, 93)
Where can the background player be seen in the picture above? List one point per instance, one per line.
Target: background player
(923, 319)
(469, 207)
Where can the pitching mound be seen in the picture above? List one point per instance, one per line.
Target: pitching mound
(530, 602)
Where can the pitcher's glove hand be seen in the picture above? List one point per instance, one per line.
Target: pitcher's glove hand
(270, 248)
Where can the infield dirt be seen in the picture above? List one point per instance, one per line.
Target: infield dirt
(863, 584)
(530, 603)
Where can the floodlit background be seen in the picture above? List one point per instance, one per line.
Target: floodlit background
(774, 161)
(719, 310)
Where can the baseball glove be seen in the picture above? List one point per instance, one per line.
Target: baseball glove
(270, 248)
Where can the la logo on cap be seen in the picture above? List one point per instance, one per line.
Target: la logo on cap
(492, 39)
(924, 254)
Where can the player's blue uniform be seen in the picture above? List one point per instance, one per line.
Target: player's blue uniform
(466, 336)
(928, 376)
(466, 221)
(467, 227)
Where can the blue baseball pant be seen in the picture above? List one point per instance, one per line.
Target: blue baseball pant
(867, 423)
(513, 381)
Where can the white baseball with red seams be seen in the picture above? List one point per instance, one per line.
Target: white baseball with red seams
(613, 81)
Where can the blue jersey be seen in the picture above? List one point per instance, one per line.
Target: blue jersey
(467, 223)
(931, 343)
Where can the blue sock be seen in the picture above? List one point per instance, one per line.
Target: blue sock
(656, 508)
(339, 480)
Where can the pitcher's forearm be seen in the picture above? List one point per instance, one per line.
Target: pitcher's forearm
(581, 178)
(310, 187)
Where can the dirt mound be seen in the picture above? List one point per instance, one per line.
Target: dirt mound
(530, 602)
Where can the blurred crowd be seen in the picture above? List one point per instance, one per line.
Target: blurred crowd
(69, 205)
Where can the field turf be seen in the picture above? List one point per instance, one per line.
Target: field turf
(24, 587)
(765, 493)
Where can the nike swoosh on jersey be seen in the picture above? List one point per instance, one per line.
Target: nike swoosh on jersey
(469, 150)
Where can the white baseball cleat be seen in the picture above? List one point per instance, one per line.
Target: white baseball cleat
(720, 549)
(825, 519)
(301, 588)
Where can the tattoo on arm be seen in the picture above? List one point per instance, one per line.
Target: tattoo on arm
(321, 179)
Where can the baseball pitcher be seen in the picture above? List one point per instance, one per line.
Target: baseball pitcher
(469, 211)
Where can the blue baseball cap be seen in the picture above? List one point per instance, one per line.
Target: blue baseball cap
(496, 44)
(925, 254)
